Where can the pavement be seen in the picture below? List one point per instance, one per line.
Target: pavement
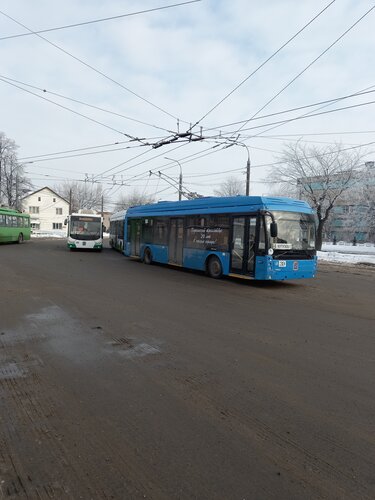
(125, 381)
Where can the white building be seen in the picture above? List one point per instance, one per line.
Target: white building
(47, 209)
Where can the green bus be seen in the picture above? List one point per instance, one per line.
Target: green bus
(14, 225)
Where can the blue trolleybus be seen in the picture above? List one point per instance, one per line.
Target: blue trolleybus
(252, 237)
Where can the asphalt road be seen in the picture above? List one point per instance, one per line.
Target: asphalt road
(125, 381)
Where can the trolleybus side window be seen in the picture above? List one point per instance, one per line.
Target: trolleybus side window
(160, 231)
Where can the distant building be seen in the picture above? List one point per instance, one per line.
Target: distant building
(106, 217)
(47, 209)
(354, 211)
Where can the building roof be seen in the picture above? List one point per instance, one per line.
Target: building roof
(49, 189)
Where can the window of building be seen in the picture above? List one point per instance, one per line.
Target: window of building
(35, 225)
(54, 200)
(56, 225)
(39, 198)
(58, 211)
(33, 210)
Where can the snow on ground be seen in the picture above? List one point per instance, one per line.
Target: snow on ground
(348, 254)
(56, 233)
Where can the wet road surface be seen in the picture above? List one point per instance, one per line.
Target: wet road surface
(125, 381)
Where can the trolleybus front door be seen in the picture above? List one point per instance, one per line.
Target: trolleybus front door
(243, 245)
(176, 241)
(135, 237)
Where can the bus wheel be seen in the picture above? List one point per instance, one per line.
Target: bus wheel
(214, 267)
(147, 258)
(20, 238)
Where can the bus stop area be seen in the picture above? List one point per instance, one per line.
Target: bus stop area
(125, 381)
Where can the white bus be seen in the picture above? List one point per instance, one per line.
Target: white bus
(85, 231)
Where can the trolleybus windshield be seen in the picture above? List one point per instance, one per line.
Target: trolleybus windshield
(295, 231)
(85, 228)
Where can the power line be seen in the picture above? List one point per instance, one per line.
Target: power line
(263, 63)
(290, 110)
(89, 66)
(304, 116)
(86, 104)
(78, 149)
(99, 20)
(308, 66)
(71, 110)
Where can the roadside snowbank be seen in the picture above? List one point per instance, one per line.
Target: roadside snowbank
(345, 253)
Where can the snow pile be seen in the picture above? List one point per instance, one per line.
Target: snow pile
(56, 233)
(348, 254)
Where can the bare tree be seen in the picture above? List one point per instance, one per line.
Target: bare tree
(13, 182)
(321, 174)
(232, 186)
(133, 199)
(83, 195)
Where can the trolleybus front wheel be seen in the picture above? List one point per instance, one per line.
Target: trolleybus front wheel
(20, 238)
(214, 267)
(147, 257)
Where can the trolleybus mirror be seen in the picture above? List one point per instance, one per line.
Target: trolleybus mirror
(273, 228)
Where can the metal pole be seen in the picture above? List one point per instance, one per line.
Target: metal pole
(248, 176)
(180, 177)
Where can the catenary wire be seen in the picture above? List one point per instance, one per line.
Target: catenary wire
(45, 91)
(111, 18)
(308, 66)
(71, 110)
(264, 63)
(90, 66)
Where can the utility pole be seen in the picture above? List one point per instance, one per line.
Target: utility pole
(179, 179)
(70, 201)
(102, 206)
(248, 176)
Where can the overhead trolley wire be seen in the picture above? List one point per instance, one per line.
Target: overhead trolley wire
(264, 63)
(307, 67)
(71, 110)
(290, 110)
(86, 104)
(111, 18)
(90, 66)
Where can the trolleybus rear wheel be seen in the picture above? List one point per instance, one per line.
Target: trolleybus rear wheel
(214, 267)
(147, 258)
(20, 238)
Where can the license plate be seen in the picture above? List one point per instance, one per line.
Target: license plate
(295, 266)
(282, 263)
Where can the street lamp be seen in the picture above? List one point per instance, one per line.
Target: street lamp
(180, 178)
(247, 167)
(237, 143)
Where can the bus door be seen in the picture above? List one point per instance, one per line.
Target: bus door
(243, 245)
(135, 237)
(176, 241)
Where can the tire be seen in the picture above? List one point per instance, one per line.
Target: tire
(147, 257)
(20, 238)
(214, 267)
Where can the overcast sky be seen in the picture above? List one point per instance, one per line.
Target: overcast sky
(183, 60)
